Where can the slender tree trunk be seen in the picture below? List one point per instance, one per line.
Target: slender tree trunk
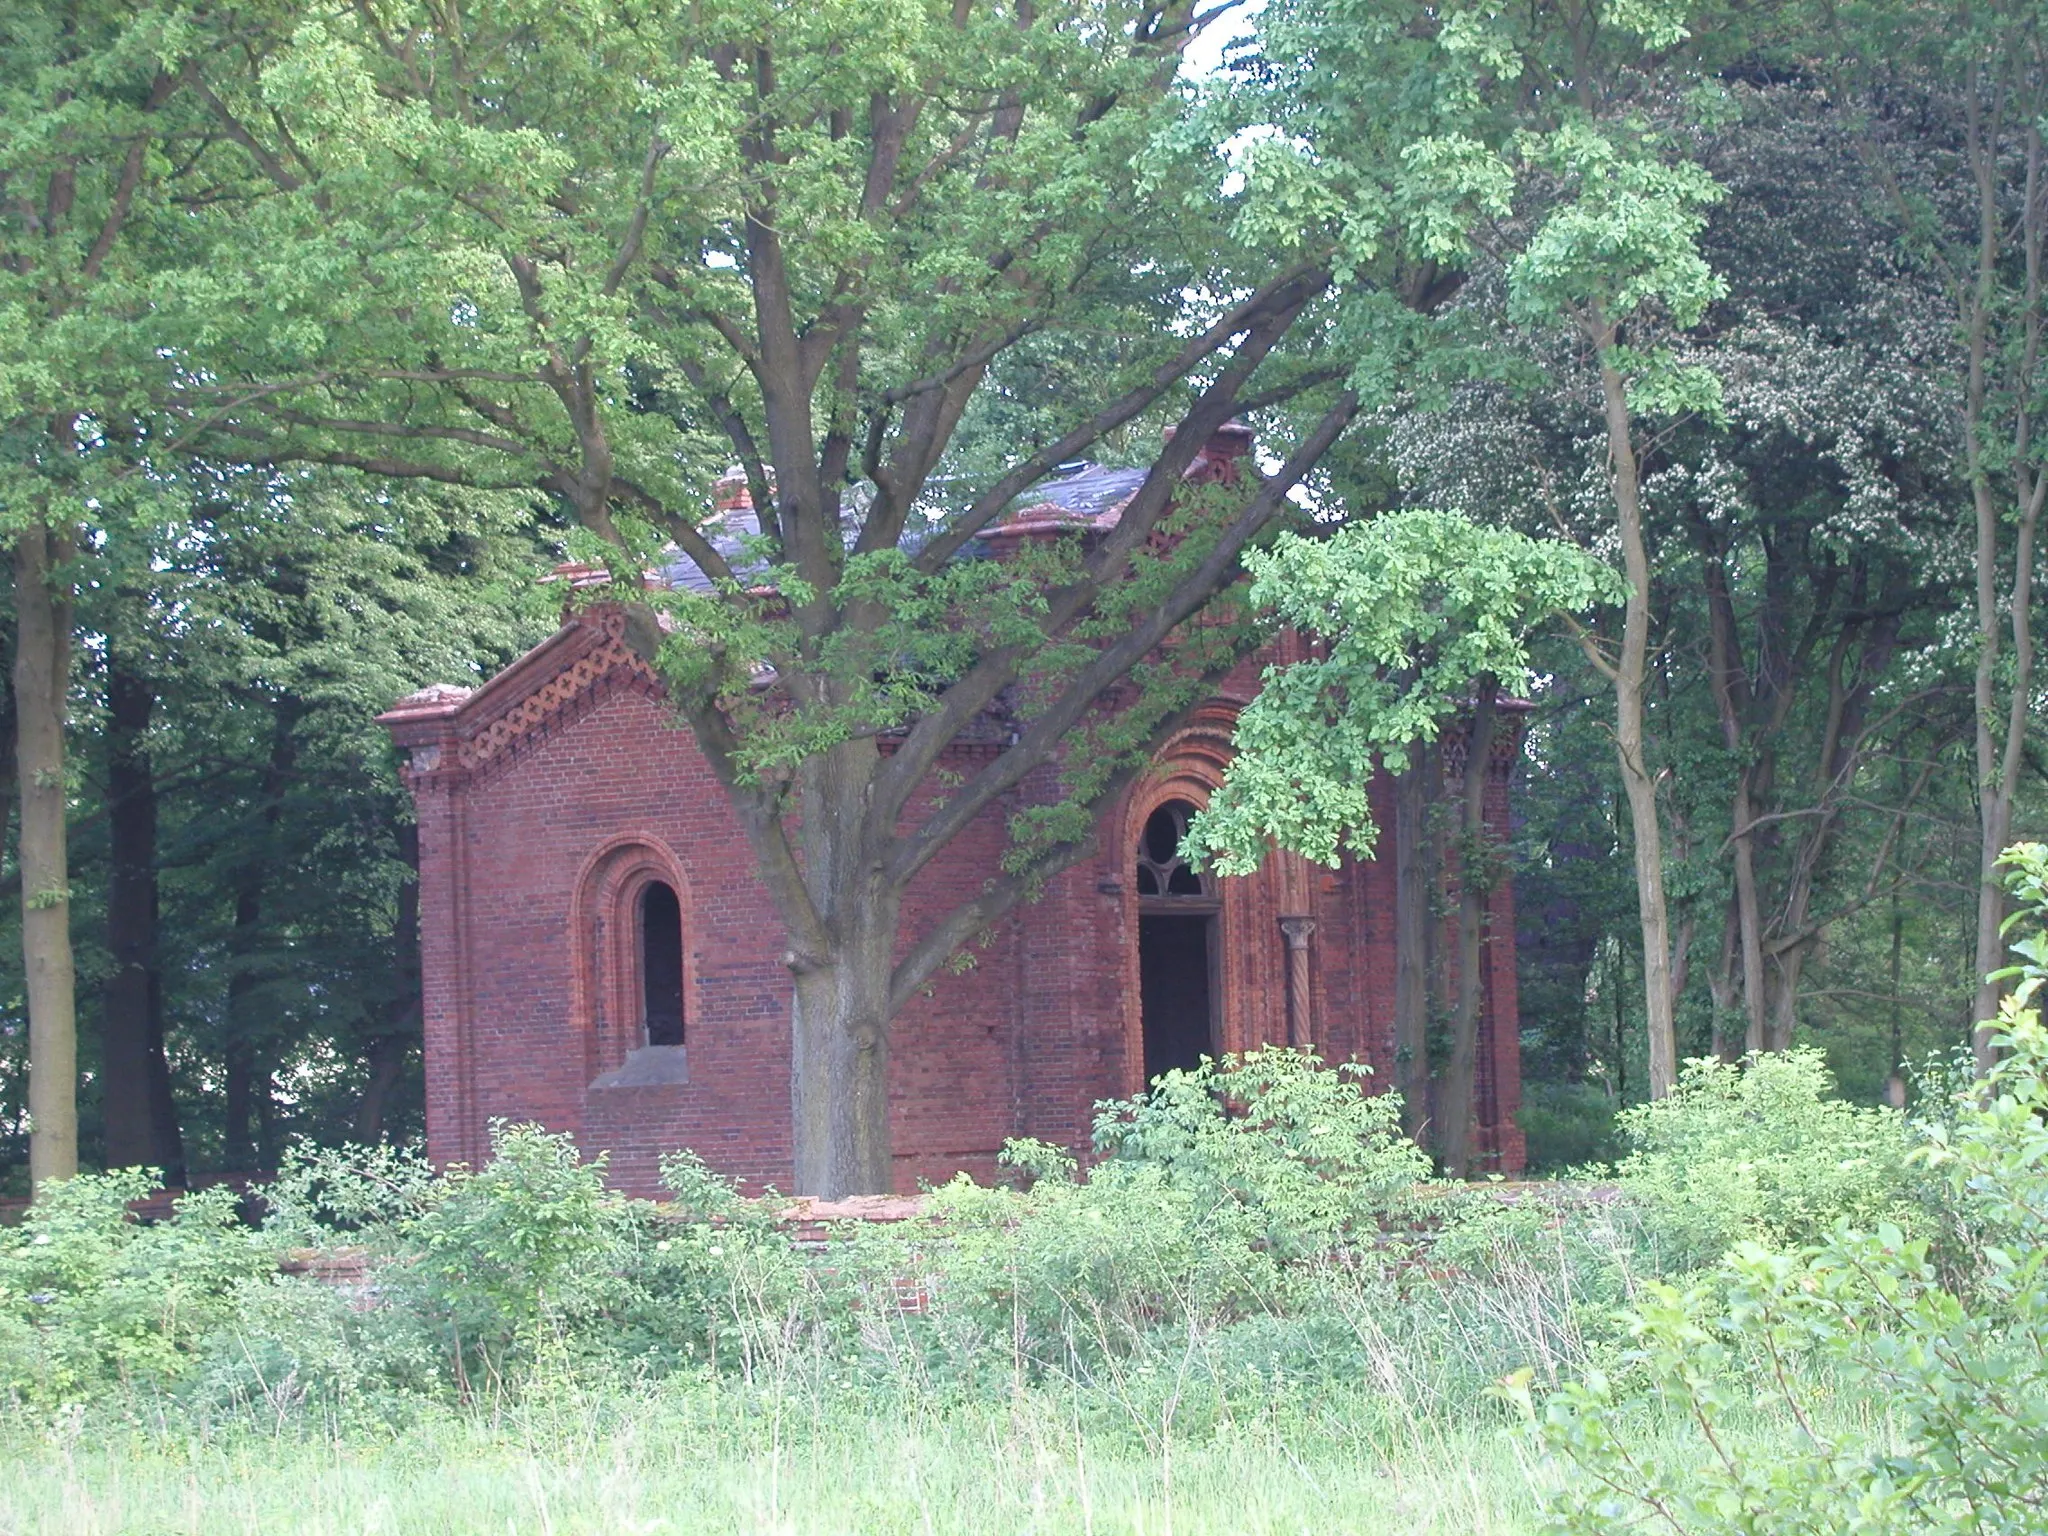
(1997, 775)
(1793, 936)
(1462, 1069)
(1749, 923)
(1412, 893)
(42, 677)
(1630, 673)
(9, 804)
(1620, 988)
(141, 1121)
(2001, 746)
(1895, 1085)
(1725, 985)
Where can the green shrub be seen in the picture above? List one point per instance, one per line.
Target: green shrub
(321, 1193)
(294, 1345)
(512, 1255)
(1762, 1152)
(1958, 1377)
(90, 1297)
(1067, 1276)
(1299, 1149)
(1222, 1195)
(1954, 1371)
(1568, 1125)
(711, 1278)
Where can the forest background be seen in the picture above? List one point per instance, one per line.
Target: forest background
(1831, 447)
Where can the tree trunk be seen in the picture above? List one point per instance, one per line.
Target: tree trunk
(840, 1008)
(1725, 986)
(1783, 1017)
(1412, 892)
(1748, 917)
(1733, 697)
(1619, 989)
(1895, 1085)
(237, 1137)
(141, 1126)
(12, 800)
(840, 1034)
(1630, 675)
(1999, 754)
(42, 677)
(2001, 745)
(1462, 1069)
(1681, 957)
(387, 1064)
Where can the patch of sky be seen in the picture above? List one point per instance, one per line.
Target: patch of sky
(1204, 57)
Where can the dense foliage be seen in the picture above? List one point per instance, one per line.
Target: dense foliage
(276, 486)
(227, 760)
(1946, 1358)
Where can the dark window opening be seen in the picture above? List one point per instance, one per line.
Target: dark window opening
(1175, 990)
(1162, 871)
(1177, 917)
(661, 964)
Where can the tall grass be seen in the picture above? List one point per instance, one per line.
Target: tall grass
(1242, 1321)
(693, 1457)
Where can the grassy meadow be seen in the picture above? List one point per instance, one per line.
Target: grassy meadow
(1780, 1315)
(688, 1463)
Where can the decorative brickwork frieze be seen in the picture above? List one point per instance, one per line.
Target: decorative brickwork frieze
(452, 731)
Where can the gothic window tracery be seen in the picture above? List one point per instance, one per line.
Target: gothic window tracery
(1162, 870)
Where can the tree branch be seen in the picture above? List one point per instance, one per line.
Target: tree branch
(636, 230)
(1006, 890)
(970, 694)
(1290, 290)
(160, 91)
(1041, 739)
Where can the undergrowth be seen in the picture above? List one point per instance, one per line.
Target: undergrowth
(1250, 1307)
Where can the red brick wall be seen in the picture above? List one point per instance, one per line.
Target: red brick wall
(530, 847)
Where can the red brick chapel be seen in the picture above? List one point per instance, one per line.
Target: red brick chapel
(599, 957)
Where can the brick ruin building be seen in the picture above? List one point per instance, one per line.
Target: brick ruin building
(598, 955)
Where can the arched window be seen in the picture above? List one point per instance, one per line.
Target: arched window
(661, 964)
(1161, 869)
(1178, 949)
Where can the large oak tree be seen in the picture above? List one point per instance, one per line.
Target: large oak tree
(604, 250)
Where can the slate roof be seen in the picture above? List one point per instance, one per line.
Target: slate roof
(1080, 493)
(728, 536)
(1091, 489)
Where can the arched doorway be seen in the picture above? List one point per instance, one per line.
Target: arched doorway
(1178, 949)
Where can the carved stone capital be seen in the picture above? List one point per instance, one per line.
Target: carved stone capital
(1297, 930)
